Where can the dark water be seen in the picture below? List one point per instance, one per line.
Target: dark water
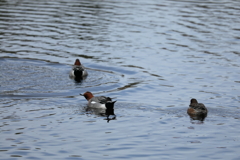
(153, 56)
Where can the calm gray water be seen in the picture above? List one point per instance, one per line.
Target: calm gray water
(153, 56)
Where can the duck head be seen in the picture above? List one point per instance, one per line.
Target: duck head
(193, 101)
(88, 95)
(77, 62)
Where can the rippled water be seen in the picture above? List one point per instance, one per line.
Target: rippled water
(153, 56)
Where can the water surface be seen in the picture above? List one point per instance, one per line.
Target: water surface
(153, 56)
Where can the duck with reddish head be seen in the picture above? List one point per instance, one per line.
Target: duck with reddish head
(78, 71)
(100, 104)
(197, 111)
(98, 101)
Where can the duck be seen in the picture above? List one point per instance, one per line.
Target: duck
(78, 70)
(197, 111)
(100, 102)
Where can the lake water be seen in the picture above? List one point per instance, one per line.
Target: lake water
(152, 56)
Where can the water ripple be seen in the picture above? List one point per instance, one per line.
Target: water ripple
(32, 78)
(153, 56)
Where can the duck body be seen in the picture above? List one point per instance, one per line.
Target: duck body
(100, 102)
(78, 70)
(197, 110)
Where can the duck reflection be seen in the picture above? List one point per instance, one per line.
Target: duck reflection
(108, 112)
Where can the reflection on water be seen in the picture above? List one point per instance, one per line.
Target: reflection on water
(154, 56)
